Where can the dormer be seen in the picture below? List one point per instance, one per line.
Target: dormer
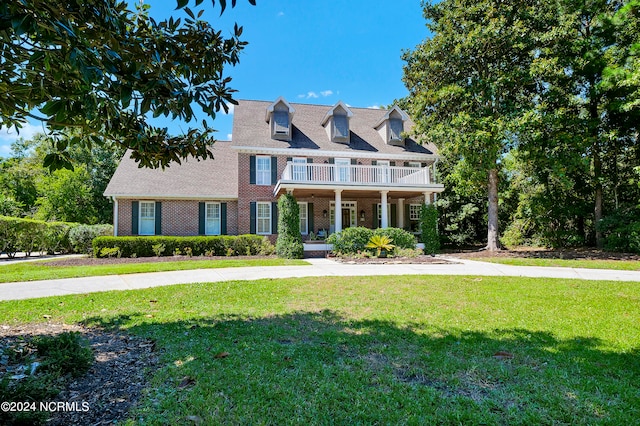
(336, 123)
(391, 126)
(279, 116)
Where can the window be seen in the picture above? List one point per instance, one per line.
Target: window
(263, 218)
(147, 225)
(380, 214)
(342, 169)
(340, 127)
(304, 218)
(212, 219)
(414, 164)
(263, 170)
(395, 129)
(414, 211)
(382, 171)
(299, 169)
(281, 122)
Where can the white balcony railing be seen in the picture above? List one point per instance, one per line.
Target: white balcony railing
(356, 174)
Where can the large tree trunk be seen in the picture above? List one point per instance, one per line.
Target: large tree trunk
(492, 234)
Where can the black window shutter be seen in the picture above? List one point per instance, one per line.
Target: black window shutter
(252, 217)
(310, 216)
(332, 161)
(158, 218)
(289, 159)
(406, 164)
(424, 164)
(392, 163)
(354, 162)
(274, 170)
(201, 218)
(309, 160)
(135, 211)
(252, 170)
(374, 217)
(274, 217)
(223, 218)
(394, 215)
(374, 163)
(407, 216)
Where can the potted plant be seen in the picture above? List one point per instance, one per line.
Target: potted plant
(381, 243)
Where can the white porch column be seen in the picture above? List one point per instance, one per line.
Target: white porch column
(427, 198)
(115, 216)
(337, 215)
(400, 213)
(384, 221)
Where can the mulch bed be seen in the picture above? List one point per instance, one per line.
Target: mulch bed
(114, 383)
(536, 253)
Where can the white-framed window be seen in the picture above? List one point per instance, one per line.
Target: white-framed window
(281, 122)
(299, 168)
(353, 219)
(263, 218)
(212, 219)
(340, 126)
(383, 170)
(263, 170)
(395, 129)
(304, 217)
(415, 164)
(414, 211)
(343, 168)
(147, 218)
(380, 213)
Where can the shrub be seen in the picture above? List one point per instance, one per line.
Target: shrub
(289, 243)
(350, 240)
(401, 239)
(66, 353)
(81, 236)
(622, 231)
(381, 243)
(221, 245)
(429, 228)
(18, 234)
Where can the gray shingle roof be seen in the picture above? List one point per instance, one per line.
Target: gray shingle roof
(207, 179)
(251, 130)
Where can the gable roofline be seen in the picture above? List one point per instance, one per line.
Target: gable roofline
(396, 108)
(271, 107)
(301, 152)
(329, 113)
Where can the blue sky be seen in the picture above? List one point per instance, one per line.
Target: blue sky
(308, 51)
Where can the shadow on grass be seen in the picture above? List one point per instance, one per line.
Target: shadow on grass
(321, 368)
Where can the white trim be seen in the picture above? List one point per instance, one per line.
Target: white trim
(306, 204)
(268, 180)
(173, 197)
(433, 188)
(403, 114)
(271, 108)
(115, 216)
(315, 153)
(331, 111)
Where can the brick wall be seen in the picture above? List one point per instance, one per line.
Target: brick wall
(179, 217)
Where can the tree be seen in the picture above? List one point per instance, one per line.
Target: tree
(289, 243)
(66, 197)
(97, 66)
(469, 85)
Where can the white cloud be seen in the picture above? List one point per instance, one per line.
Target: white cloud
(316, 95)
(313, 95)
(27, 131)
(302, 96)
(374, 107)
(232, 109)
(229, 136)
(326, 93)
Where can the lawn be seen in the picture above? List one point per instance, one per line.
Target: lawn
(622, 265)
(42, 270)
(377, 350)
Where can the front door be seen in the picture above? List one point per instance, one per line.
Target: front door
(346, 218)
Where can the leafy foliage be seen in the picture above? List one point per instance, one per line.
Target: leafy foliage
(429, 228)
(27, 235)
(102, 68)
(381, 243)
(220, 245)
(289, 243)
(350, 240)
(81, 236)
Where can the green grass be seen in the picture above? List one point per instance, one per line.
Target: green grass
(622, 265)
(377, 350)
(40, 270)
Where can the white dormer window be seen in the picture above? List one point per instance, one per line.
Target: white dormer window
(279, 116)
(391, 126)
(336, 122)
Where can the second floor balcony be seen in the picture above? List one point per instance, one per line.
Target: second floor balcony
(358, 177)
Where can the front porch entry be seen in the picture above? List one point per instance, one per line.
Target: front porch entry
(348, 215)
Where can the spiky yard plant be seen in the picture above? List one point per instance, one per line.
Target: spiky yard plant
(380, 243)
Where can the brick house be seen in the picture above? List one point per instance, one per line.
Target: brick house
(346, 167)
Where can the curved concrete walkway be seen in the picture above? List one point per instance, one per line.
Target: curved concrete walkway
(318, 267)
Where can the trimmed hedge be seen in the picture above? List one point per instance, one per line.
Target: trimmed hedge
(220, 245)
(354, 240)
(429, 228)
(28, 235)
(289, 243)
